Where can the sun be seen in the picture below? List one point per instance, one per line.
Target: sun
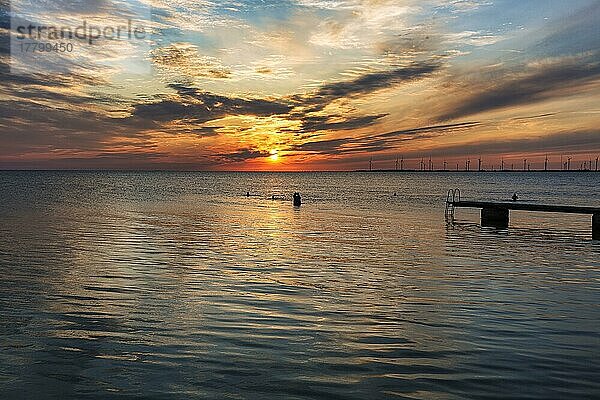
(274, 155)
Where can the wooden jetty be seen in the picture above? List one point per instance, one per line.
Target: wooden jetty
(497, 214)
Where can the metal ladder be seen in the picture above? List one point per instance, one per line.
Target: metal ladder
(452, 196)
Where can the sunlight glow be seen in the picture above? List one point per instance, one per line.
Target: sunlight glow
(274, 155)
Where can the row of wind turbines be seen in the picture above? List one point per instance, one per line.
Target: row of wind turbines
(566, 164)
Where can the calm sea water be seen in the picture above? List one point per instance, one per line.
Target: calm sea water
(177, 286)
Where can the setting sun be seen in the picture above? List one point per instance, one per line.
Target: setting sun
(274, 155)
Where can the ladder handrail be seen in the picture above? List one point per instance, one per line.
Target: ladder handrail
(452, 197)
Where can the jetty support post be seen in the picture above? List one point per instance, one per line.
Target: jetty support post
(496, 217)
(596, 226)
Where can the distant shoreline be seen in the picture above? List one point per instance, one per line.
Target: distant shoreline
(471, 171)
(436, 171)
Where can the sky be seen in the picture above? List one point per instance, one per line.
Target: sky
(297, 85)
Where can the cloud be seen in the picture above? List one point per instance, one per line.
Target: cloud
(78, 7)
(328, 123)
(56, 115)
(380, 142)
(204, 131)
(374, 81)
(191, 15)
(192, 104)
(244, 155)
(4, 29)
(571, 35)
(575, 142)
(179, 61)
(563, 59)
(322, 146)
(371, 24)
(61, 132)
(578, 141)
(463, 6)
(472, 38)
(538, 82)
(309, 105)
(429, 130)
(195, 105)
(124, 160)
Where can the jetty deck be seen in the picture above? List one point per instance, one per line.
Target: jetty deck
(497, 213)
(516, 205)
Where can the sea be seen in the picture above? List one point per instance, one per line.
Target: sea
(180, 285)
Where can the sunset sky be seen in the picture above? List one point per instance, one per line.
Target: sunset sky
(305, 85)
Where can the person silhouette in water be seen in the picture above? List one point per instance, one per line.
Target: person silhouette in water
(515, 197)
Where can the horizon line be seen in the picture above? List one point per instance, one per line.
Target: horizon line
(290, 171)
